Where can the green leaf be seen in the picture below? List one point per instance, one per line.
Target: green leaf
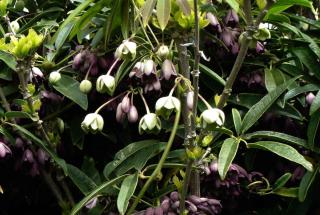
(282, 5)
(8, 59)
(18, 114)
(7, 135)
(113, 20)
(163, 12)
(306, 183)
(291, 192)
(210, 73)
(42, 145)
(127, 189)
(277, 136)
(70, 19)
(95, 193)
(283, 150)
(313, 128)
(69, 87)
(308, 59)
(280, 182)
(63, 35)
(236, 120)
(127, 154)
(273, 78)
(86, 18)
(315, 104)
(233, 4)
(146, 10)
(125, 19)
(257, 110)
(81, 180)
(184, 6)
(227, 153)
(299, 90)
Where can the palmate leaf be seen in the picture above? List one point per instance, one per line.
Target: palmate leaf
(257, 110)
(283, 150)
(236, 120)
(163, 12)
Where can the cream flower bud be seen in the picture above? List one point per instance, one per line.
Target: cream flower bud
(127, 50)
(163, 51)
(150, 123)
(106, 84)
(149, 67)
(165, 106)
(212, 116)
(54, 77)
(93, 122)
(15, 26)
(168, 69)
(85, 86)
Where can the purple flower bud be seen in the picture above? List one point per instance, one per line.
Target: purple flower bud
(165, 205)
(259, 47)
(94, 70)
(235, 48)
(92, 203)
(191, 207)
(158, 211)
(149, 211)
(92, 59)
(103, 63)
(227, 37)
(310, 97)
(77, 61)
(125, 104)
(42, 156)
(232, 18)
(214, 166)
(19, 143)
(175, 205)
(133, 114)
(174, 196)
(156, 85)
(34, 169)
(120, 115)
(28, 156)
(214, 21)
(37, 72)
(4, 149)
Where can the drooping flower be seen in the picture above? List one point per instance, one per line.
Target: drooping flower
(165, 106)
(93, 122)
(54, 77)
(212, 117)
(150, 123)
(106, 84)
(4, 150)
(85, 86)
(168, 69)
(127, 50)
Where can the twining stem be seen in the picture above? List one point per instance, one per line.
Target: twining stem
(157, 170)
(243, 48)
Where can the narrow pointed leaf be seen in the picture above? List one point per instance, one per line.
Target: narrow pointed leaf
(236, 120)
(146, 10)
(127, 189)
(280, 182)
(257, 110)
(315, 104)
(227, 153)
(163, 12)
(95, 193)
(283, 150)
(81, 180)
(306, 183)
(184, 6)
(313, 127)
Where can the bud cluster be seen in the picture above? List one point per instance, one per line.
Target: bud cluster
(126, 109)
(194, 204)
